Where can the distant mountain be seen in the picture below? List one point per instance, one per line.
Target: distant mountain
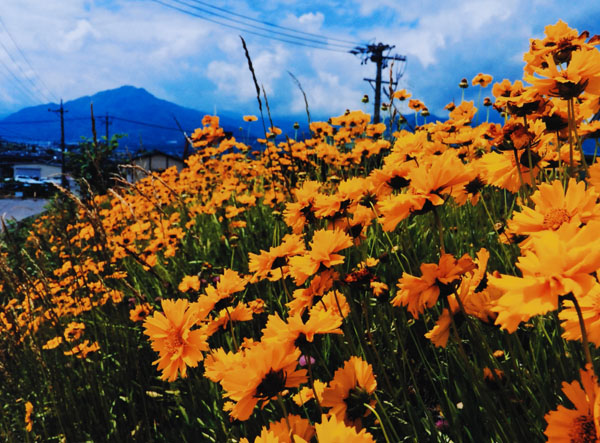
(144, 119)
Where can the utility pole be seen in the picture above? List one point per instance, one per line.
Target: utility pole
(375, 54)
(63, 178)
(107, 124)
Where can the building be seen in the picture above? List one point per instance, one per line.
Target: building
(36, 170)
(152, 161)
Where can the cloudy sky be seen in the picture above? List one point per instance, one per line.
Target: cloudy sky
(52, 49)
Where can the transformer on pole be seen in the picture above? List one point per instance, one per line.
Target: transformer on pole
(375, 54)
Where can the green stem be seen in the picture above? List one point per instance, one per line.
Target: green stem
(440, 229)
(372, 409)
(584, 336)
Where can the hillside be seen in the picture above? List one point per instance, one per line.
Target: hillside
(136, 113)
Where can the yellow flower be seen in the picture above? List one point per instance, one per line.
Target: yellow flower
(482, 80)
(579, 424)
(28, 419)
(178, 346)
(350, 390)
(264, 373)
(558, 263)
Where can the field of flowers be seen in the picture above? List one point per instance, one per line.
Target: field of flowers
(369, 283)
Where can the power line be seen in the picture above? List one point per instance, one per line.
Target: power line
(23, 72)
(152, 125)
(374, 53)
(128, 120)
(270, 37)
(273, 24)
(27, 60)
(28, 122)
(16, 134)
(284, 34)
(19, 82)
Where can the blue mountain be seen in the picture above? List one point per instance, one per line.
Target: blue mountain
(143, 120)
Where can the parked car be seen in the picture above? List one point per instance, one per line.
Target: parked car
(28, 180)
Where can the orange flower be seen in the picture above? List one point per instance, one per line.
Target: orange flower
(297, 214)
(501, 170)
(590, 311)
(560, 42)
(286, 430)
(220, 295)
(463, 113)
(307, 393)
(418, 293)
(83, 349)
(28, 419)
(476, 298)
(273, 264)
(140, 312)
(250, 118)
(428, 182)
(189, 282)
(349, 391)
(303, 298)
(582, 73)
(554, 206)
(170, 333)
(296, 333)
(265, 372)
(416, 105)
(241, 312)
(482, 80)
(323, 248)
(74, 331)
(332, 430)
(218, 363)
(579, 424)
(401, 95)
(333, 303)
(558, 263)
(53, 343)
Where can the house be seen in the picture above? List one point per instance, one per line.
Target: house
(153, 161)
(36, 170)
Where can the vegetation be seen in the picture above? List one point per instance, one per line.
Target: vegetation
(369, 283)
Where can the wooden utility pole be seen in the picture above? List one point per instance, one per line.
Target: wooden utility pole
(63, 178)
(374, 53)
(107, 124)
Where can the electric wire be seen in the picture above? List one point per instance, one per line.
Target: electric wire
(275, 25)
(270, 37)
(29, 122)
(36, 87)
(23, 89)
(41, 81)
(137, 122)
(110, 117)
(15, 134)
(285, 34)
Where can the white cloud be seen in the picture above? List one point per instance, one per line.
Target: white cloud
(80, 47)
(74, 39)
(233, 77)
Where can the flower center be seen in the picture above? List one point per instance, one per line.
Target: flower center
(583, 430)
(174, 341)
(555, 217)
(355, 403)
(271, 384)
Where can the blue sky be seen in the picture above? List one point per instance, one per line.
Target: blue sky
(79, 47)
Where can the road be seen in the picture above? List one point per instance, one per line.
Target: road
(18, 209)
